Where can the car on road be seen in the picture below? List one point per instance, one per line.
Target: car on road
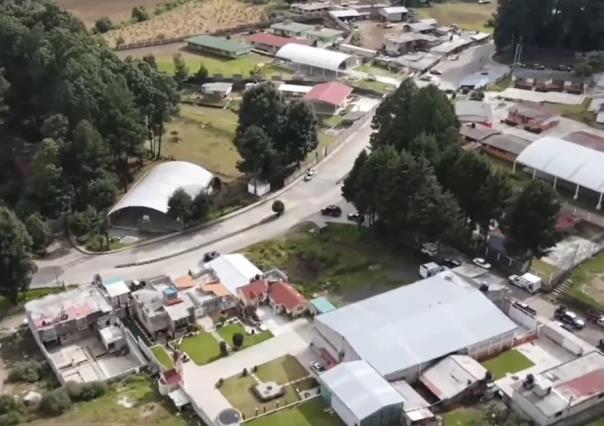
(571, 318)
(310, 173)
(566, 68)
(332, 210)
(450, 263)
(436, 72)
(355, 217)
(482, 263)
(317, 367)
(537, 67)
(211, 255)
(596, 316)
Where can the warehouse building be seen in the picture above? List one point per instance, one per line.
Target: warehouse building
(400, 333)
(360, 396)
(218, 46)
(315, 61)
(393, 13)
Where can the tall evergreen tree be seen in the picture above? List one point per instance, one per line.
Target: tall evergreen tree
(17, 265)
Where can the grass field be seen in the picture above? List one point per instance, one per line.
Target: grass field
(469, 16)
(509, 362)
(194, 17)
(463, 417)
(339, 258)
(579, 112)
(202, 348)
(281, 370)
(248, 340)
(163, 356)
(588, 282)
(205, 138)
(138, 392)
(311, 413)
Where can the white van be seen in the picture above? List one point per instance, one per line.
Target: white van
(529, 282)
(429, 269)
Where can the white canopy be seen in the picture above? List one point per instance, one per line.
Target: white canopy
(566, 160)
(312, 56)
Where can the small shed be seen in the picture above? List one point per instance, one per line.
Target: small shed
(321, 305)
(393, 13)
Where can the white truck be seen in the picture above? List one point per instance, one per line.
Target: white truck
(528, 281)
(429, 269)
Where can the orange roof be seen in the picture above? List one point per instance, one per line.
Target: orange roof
(286, 294)
(217, 288)
(252, 290)
(186, 281)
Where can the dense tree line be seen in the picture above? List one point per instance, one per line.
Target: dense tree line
(271, 133)
(576, 25)
(73, 116)
(417, 183)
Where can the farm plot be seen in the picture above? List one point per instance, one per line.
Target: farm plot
(192, 18)
(469, 16)
(116, 10)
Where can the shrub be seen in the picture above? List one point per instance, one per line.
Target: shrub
(55, 402)
(237, 340)
(278, 207)
(244, 372)
(219, 382)
(139, 14)
(103, 24)
(92, 390)
(25, 372)
(223, 348)
(9, 403)
(11, 418)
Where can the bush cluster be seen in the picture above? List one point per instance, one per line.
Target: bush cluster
(57, 401)
(28, 371)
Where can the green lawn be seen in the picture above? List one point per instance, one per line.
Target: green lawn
(163, 356)
(588, 282)
(148, 408)
(311, 413)
(204, 136)
(343, 259)
(509, 362)
(281, 370)
(469, 16)
(376, 86)
(202, 348)
(463, 417)
(226, 67)
(578, 112)
(599, 422)
(248, 340)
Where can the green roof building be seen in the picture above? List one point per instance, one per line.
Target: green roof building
(323, 37)
(291, 29)
(218, 46)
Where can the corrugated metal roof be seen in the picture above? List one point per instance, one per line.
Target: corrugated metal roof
(313, 56)
(274, 40)
(567, 160)
(418, 323)
(506, 142)
(452, 376)
(218, 43)
(294, 27)
(360, 388)
(234, 270)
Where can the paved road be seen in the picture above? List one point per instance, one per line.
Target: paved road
(301, 200)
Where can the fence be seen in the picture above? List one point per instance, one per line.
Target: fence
(341, 138)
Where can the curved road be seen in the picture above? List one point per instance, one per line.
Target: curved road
(301, 199)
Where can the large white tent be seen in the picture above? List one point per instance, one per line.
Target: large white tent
(561, 159)
(314, 57)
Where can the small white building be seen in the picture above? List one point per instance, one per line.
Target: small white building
(393, 13)
(217, 90)
(310, 9)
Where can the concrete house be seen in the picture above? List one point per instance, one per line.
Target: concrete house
(393, 13)
(329, 98)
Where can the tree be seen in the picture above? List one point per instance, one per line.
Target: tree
(298, 135)
(55, 402)
(201, 76)
(530, 221)
(85, 222)
(261, 106)
(390, 123)
(139, 14)
(350, 186)
(237, 340)
(278, 207)
(103, 24)
(102, 191)
(40, 233)
(150, 59)
(254, 147)
(200, 207)
(179, 206)
(17, 265)
(181, 70)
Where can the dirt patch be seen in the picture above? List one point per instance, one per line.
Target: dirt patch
(116, 10)
(373, 34)
(195, 17)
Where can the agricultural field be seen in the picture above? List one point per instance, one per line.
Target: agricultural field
(194, 17)
(116, 10)
(469, 16)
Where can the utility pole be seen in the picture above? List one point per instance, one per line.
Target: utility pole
(517, 53)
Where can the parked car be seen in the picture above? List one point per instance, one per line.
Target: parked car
(317, 367)
(309, 175)
(429, 249)
(453, 57)
(331, 210)
(479, 261)
(450, 263)
(355, 217)
(435, 72)
(571, 318)
(525, 307)
(211, 255)
(566, 326)
(596, 316)
(566, 68)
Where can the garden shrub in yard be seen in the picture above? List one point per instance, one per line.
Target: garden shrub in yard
(85, 391)
(10, 403)
(55, 402)
(28, 371)
(11, 418)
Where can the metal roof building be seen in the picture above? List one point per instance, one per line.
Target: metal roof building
(148, 199)
(560, 159)
(233, 270)
(356, 392)
(506, 142)
(452, 376)
(218, 46)
(402, 331)
(313, 59)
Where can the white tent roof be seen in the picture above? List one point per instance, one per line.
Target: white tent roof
(418, 323)
(395, 9)
(233, 270)
(360, 388)
(154, 189)
(566, 160)
(312, 56)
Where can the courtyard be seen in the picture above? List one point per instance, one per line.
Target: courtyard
(310, 413)
(202, 348)
(227, 333)
(509, 362)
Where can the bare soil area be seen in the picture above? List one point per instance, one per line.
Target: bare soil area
(116, 10)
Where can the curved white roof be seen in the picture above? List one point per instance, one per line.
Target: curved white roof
(566, 160)
(312, 56)
(154, 189)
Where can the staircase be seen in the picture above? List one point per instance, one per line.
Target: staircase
(562, 288)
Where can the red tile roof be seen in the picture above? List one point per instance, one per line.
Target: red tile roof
(171, 377)
(274, 40)
(333, 93)
(285, 294)
(252, 290)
